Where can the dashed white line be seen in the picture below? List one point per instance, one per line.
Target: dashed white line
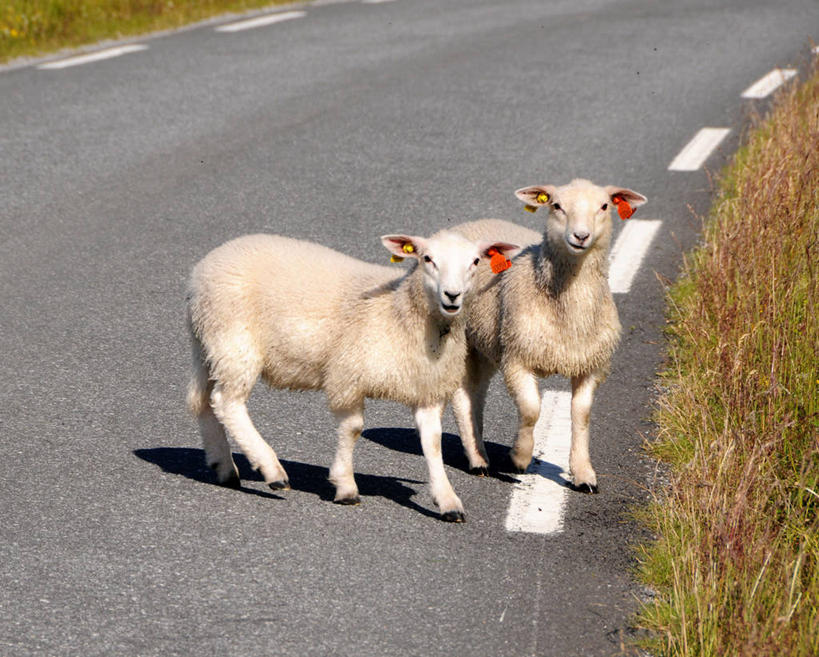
(94, 56)
(769, 83)
(698, 149)
(628, 252)
(260, 21)
(538, 499)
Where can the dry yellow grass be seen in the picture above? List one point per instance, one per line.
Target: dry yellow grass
(36, 27)
(736, 566)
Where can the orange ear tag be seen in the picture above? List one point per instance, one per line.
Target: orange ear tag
(623, 208)
(497, 261)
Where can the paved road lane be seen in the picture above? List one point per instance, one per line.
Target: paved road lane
(338, 126)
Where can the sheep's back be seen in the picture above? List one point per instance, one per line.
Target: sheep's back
(273, 304)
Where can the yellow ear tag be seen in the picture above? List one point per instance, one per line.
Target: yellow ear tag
(408, 248)
(530, 208)
(395, 258)
(543, 197)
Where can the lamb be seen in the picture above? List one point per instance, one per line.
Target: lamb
(304, 317)
(552, 313)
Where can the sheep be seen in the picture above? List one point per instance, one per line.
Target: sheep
(552, 313)
(305, 317)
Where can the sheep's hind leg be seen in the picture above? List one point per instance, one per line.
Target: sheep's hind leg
(467, 404)
(584, 478)
(217, 449)
(428, 423)
(523, 386)
(350, 425)
(231, 410)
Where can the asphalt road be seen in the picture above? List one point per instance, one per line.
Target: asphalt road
(350, 122)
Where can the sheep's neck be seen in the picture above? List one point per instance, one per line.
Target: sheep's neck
(556, 270)
(413, 309)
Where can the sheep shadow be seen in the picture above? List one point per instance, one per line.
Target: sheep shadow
(407, 442)
(500, 465)
(190, 462)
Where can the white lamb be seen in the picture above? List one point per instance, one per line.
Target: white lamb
(551, 313)
(306, 317)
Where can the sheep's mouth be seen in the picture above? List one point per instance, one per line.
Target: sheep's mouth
(450, 309)
(577, 248)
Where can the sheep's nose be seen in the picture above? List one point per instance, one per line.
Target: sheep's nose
(452, 295)
(581, 235)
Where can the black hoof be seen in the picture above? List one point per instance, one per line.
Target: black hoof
(589, 489)
(349, 501)
(480, 471)
(453, 516)
(283, 484)
(232, 482)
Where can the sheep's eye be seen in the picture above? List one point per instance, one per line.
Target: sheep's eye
(556, 206)
(477, 260)
(427, 259)
(605, 207)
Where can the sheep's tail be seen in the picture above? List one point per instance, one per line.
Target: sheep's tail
(199, 386)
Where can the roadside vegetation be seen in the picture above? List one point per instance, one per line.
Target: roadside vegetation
(735, 568)
(37, 27)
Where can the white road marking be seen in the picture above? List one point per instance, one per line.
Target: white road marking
(766, 85)
(261, 21)
(628, 252)
(93, 56)
(698, 149)
(538, 500)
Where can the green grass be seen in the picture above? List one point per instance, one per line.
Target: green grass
(736, 563)
(37, 27)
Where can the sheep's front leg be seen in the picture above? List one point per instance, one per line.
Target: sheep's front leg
(583, 476)
(231, 410)
(467, 404)
(523, 387)
(350, 424)
(428, 423)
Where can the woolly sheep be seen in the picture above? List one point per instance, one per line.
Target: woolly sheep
(305, 317)
(551, 313)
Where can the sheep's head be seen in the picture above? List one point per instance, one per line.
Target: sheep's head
(448, 262)
(579, 213)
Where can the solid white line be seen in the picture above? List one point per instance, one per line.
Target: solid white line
(628, 252)
(538, 500)
(269, 19)
(94, 56)
(698, 149)
(766, 85)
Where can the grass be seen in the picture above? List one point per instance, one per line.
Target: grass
(37, 27)
(736, 563)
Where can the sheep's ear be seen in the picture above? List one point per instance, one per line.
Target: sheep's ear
(631, 197)
(504, 248)
(404, 246)
(536, 196)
